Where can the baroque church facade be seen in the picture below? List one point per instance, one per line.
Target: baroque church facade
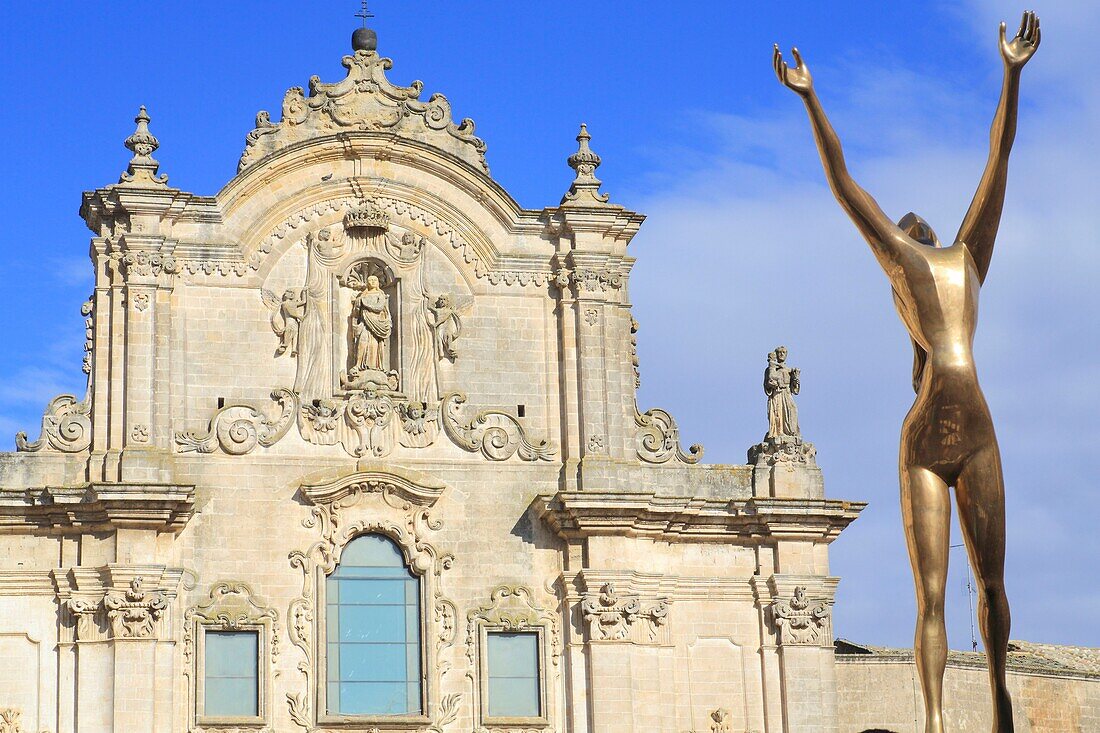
(361, 451)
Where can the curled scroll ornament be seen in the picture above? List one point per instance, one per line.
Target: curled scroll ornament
(66, 427)
(239, 428)
(658, 439)
(495, 433)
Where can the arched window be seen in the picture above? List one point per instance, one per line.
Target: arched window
(372, 623)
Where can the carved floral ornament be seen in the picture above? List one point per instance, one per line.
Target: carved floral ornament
(801, 621)
(395, 506)
(611, 617)
(132, 613)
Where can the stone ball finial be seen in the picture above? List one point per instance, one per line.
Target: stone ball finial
(364, 39)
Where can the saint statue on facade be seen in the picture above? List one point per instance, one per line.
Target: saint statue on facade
(947, 439)
(371, 327)
(446, 325)
(780, 384)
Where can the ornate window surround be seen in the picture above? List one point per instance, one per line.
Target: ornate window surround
(395, 504)
(326, 718)
(230, 606)
(512, 609)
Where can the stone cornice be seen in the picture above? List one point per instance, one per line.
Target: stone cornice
(159, 507)
(579, 514)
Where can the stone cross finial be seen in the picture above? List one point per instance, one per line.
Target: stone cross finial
(585, 187)
(143, 166)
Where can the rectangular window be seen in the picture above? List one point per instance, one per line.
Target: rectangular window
(231, 679)
(513, 675)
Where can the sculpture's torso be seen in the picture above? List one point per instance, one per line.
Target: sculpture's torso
(936, 294)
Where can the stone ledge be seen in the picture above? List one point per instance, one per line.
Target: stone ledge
(578, 514)
(96, 506)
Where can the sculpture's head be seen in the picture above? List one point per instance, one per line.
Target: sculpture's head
(781, 354)
(918, 230)
(372, 282)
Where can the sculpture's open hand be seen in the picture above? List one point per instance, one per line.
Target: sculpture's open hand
(798, 78)
(1022, 47)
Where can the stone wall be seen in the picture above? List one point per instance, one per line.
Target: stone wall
(881, 692)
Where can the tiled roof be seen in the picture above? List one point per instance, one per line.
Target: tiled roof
(1023, 656)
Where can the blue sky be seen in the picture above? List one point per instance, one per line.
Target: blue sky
(744, 248)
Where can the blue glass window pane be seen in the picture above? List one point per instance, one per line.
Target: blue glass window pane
(373, 630)
(372, 551)
(373, 698)
(513, 661)
(372, 662)
(231, 675)
(372, 591)
(513, 697)
(371, 623)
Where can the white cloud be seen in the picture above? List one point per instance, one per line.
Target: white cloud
(745, 248)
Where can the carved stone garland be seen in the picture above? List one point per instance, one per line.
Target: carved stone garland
(800, 621)
(614, 618)
(398, 512)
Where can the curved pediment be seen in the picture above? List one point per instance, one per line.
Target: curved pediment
(364, 101)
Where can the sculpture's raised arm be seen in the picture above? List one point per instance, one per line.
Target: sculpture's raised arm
(979, 227)
(884, 236)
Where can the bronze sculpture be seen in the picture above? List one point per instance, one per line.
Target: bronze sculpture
(947, 438)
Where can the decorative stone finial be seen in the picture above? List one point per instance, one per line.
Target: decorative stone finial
(143, 167)
(586, 187)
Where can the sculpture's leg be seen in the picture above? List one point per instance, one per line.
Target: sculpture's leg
(980, 494)
(926, 509)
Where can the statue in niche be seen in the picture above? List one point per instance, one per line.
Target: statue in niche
(286, 318)
(446, 325)
(781, 383)
(371, 328)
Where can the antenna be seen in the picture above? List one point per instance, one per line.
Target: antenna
(364, 13)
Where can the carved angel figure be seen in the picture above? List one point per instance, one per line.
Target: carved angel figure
(286, 318)
(780, 384)
(446, 325)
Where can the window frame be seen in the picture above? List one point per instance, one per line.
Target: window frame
(412, 721)
(201, 717)
(540, 631)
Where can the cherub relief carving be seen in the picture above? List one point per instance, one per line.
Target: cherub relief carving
(286, 318)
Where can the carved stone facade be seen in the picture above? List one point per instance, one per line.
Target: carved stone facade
(363, 334)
